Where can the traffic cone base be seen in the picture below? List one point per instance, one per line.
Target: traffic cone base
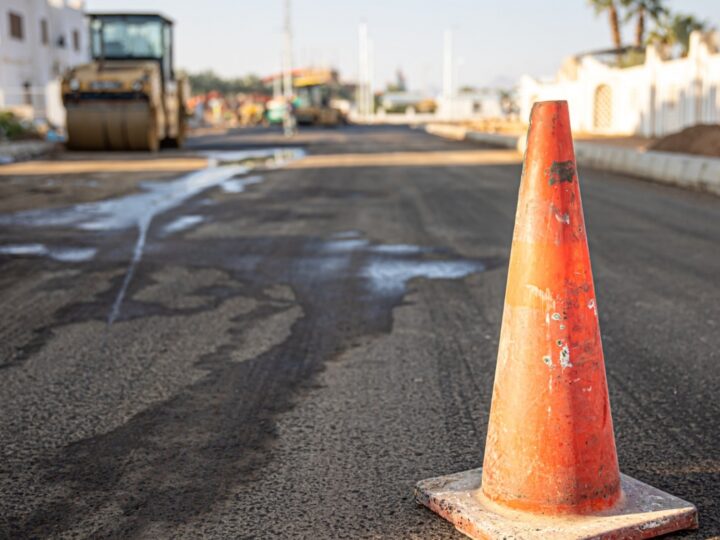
(641, 512)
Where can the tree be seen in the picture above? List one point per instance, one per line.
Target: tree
(609, 7)
(207, 81)
(640, 9)
(684, 25)
(675, 30)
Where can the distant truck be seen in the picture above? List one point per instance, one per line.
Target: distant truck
(128, 97)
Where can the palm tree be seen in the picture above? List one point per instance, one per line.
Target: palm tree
(676, 30)
(609, 7)
(640, 9)
(684, 25)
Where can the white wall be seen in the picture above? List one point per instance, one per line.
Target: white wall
(30, 61)
(652, 99)
(469, 105)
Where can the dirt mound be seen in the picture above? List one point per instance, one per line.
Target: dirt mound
(703, 139)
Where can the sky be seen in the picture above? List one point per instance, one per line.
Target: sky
(495, 42)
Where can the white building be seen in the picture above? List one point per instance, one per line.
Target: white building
(39, 40)
(658, 97)
(478, 104)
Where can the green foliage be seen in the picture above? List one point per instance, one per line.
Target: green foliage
(631, 58)
(669, 29)
(13, 128)
(654, 9)
(640, 10)
(601, 6)
(208, 81)
(674, 30)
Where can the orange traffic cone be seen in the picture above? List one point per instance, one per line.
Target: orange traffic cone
(550, 468)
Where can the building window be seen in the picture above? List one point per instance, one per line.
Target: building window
(76, 40)
(16, 25)
(44, 36)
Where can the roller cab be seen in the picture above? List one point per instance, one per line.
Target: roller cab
(128, 97)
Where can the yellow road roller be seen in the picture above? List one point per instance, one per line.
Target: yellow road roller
(128, 97)
(316, 90)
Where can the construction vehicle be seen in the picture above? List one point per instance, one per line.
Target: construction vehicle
(128, 97)
(316, 91)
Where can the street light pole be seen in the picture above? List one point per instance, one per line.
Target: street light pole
(288, 117)
(362, 89)
(287, 72)
(448, 66)
(370, 78)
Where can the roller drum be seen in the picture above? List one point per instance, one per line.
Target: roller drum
(111, 126)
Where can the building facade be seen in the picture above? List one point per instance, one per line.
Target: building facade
(477, 104)
(39, 40)
(653, 99)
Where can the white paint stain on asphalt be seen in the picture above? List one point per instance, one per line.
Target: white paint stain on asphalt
(347, 234)
(183, 223)
(23, 249)
(272, 158)
(344, 246)
(72, 254)
(139, 209)
(389, 276)
(63, 254)
(398, 249)
(238, 185)
(385, 268)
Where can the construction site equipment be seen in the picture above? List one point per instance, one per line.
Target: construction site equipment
(275, 111)
(128, 97)
(316, 90)
(550, 467)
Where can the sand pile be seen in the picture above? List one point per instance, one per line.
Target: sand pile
(703, 139)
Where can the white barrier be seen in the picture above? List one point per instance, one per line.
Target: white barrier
(699, 172)
(685, 170)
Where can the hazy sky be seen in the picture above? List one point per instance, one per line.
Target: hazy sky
(494, 40)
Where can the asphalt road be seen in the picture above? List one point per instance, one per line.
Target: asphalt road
(268, 349)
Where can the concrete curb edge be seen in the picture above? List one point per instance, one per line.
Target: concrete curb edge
(21, 150)
(684, 170)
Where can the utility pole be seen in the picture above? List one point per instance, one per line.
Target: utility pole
(277, 81)
(371, 78)
(365, 99)
(288, 117)
(362, 88)
(448, 69)
(287, 71)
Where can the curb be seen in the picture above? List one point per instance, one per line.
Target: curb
(684, 170)
(18, 151)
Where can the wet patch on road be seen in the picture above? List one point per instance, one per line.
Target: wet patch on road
(138, 210)
(307, 294)
(238, 185)
(182, 223)
(63, 254)
(315, 298)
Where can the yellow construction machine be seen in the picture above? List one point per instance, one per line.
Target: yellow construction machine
(128, 97)
(317, 91)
